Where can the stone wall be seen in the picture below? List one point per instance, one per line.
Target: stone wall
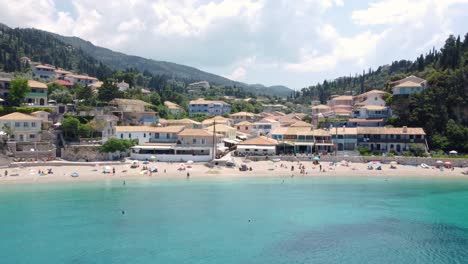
(83, 153)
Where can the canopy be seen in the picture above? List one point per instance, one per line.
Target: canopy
(190, 162)
(316, 158)
(107, 168)
(453, 152)
(439, 162)
(75, 174)
(393, 163)
(153, 157)
(448, 163)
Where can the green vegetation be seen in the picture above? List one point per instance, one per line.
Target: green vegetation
(440, 109)
(364, 151)
(117, 145)
(19, 89)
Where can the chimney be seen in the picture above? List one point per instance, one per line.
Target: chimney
(405, 129)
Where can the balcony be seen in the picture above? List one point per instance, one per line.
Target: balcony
(388, 140)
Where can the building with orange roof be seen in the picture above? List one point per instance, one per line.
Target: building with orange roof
(21, 127)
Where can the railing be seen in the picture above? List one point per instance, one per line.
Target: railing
(388, 140)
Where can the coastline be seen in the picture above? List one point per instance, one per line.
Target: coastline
(167, 171)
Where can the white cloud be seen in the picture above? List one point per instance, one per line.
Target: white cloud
(238, 74)
(268, 41)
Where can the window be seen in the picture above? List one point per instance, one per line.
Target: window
(129, 135)
(33, 124)
(121, 136)
(32, 136)
(144, 135)
(203, 141)
(26, 124)
(194, 141)
(246, 128)
(375, 98)
(17, 124)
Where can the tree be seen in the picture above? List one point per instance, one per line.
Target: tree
(62, 96)
(418, 150)
(19, 89)
(116, 145)
(70, 128)
(108, 91)
(85, 94)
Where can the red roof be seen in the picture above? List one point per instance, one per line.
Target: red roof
(62, 82)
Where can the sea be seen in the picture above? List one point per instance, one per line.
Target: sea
(248, 220)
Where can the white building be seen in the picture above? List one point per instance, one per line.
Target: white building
(373, 97)
(24, 128)
(43, 72)
(149, 134)
(123, 86)
(81, 79)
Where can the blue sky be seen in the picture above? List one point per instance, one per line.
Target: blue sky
(293, 43)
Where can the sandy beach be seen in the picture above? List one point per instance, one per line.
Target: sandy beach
(93, 172)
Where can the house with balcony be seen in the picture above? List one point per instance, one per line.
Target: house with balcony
(344, 138)
(208, 107)
(390, 139)
(270, 108)
(21, 127)
(149, 134)
(301, 139)
(187, 123)
(191, 144)
(408, 85)
(133, 112)
(372, 112)
(44, 72)
(37, 94)
(219, 120)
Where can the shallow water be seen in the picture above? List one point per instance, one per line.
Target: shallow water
(303, 220)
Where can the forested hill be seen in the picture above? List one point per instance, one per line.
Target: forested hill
(442, 109)
(82, 56)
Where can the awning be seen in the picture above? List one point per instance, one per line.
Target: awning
(153, 147)
(230, 141)
(304, 143)
(253, 147)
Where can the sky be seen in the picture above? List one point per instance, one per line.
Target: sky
(296, 43)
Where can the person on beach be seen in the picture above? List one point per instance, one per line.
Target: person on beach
(113, 171)
(124, 183)
(6, 173)
(188, 175)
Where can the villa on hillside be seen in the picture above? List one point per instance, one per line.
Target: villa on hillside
(243, 116)
(408, 85)
(173, 108)
(36, 96)
(373, 97)
(81, 79)
(43, 72)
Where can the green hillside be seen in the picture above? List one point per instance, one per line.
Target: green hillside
(442, 109)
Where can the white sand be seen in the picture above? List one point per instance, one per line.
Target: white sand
(260, 169)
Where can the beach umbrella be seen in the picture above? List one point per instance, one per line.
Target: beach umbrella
(154, 168)
(145, 162)
(393, 163)
(439, 162)
(453, 152)
(153, 157)
(190, 162)
(316, 158)
(75, 174)
(143, 172)
(448, 163)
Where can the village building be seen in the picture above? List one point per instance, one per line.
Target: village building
(208, 107)
(197, 145)
(21, 127)
(373, 97)
(123, 86)
(133, 112)
(243, 116)
(173, 108)
(37, 94)
(259, 146)
(81, 79)
(408, 85)
(394, 139)
(224, 130)
(43, 72)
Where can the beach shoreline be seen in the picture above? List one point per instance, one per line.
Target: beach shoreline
(167, 171)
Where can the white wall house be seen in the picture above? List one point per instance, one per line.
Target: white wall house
(44, 72)
(24, 128)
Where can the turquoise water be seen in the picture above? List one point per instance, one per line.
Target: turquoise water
(303, 220)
